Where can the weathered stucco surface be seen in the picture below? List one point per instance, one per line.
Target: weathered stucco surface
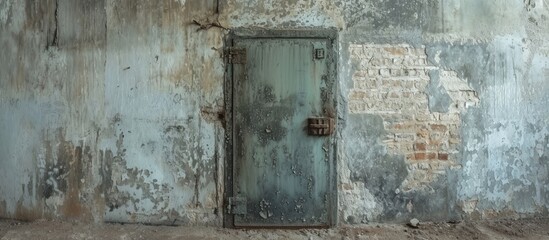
(113, 110)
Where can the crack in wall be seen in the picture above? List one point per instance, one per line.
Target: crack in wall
(55, 38)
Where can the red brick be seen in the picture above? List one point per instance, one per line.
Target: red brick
(398, 51)
(420, 146)
(403, 127)
(443, 156)
(438, 127)
(420, 156)
(431, 156)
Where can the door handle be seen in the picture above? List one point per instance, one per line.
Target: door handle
(320, 126)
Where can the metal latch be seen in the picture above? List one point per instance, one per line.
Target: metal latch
(320, 126)
(237, 205)
(237, 55)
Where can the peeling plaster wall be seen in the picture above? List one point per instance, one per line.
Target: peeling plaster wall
(113, 110)
(110, 111)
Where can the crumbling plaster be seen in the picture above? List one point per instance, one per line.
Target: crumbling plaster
(113, 110)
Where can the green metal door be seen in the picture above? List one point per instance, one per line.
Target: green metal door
(283, 110)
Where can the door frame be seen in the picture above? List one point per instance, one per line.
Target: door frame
(332, 50)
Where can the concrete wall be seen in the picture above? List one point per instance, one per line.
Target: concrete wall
(113, 110)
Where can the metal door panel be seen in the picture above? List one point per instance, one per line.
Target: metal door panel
(280, 171)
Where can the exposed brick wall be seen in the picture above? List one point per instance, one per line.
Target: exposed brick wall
(391, 81)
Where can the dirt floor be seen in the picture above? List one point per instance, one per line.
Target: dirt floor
(505, 229)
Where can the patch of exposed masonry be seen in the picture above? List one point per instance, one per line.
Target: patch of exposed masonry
(420, 104)
(407, 114)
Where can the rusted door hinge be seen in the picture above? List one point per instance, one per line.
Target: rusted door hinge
(237, 205)
(237, 55)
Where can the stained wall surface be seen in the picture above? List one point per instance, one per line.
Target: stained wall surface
(114, 110)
